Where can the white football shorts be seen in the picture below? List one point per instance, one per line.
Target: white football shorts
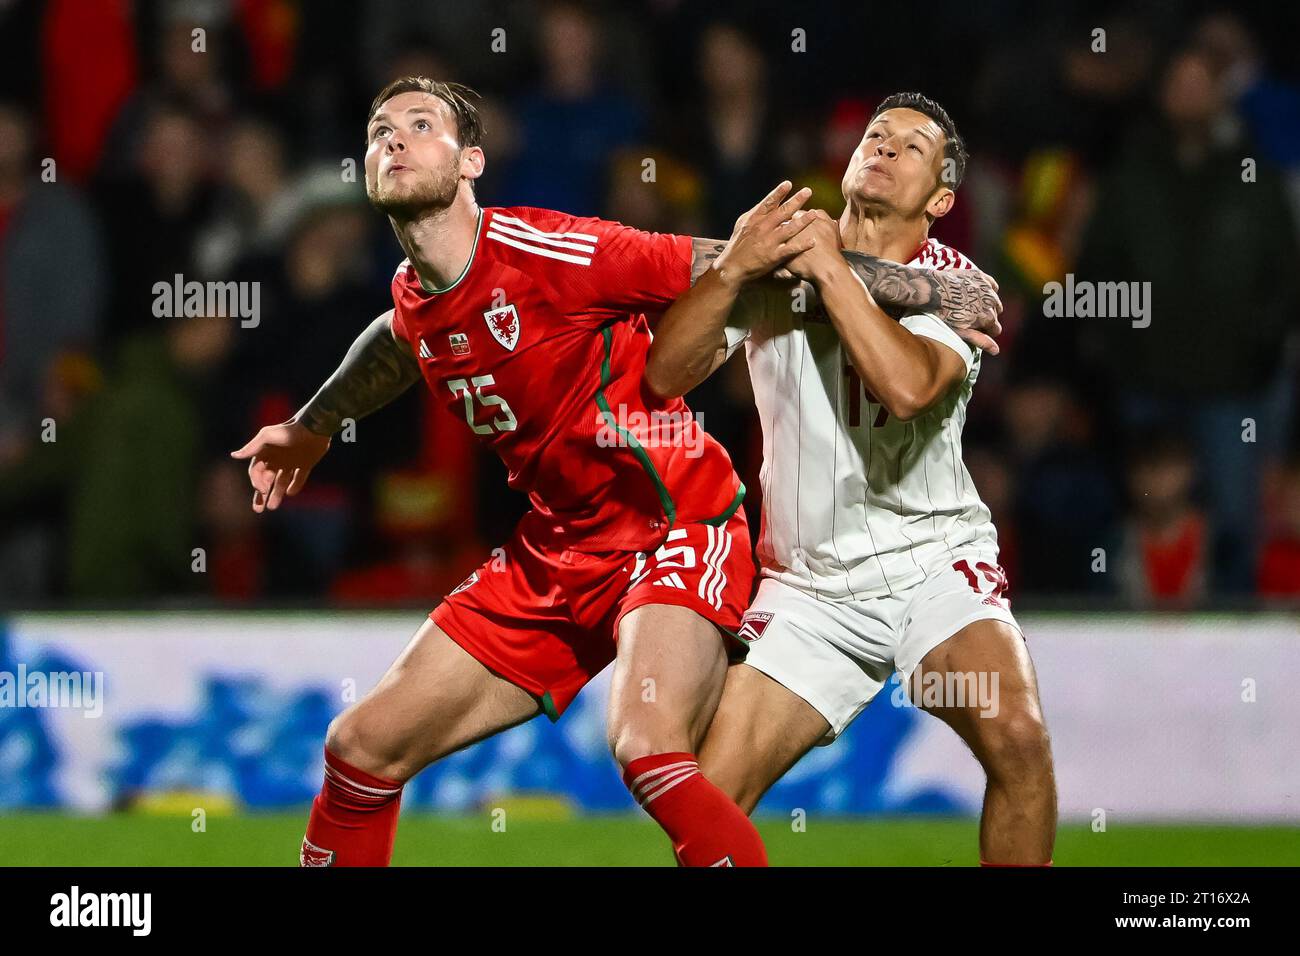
(837, 655)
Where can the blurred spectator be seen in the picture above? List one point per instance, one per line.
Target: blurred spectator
(392, 31)
(189, 79)
(570, 125)
(839, 138)
(670, 202)
(730, 134)
(254, 190)
(90, 70)
(1166, 547)
(1279, 566)
(52, 279)
(220, 159)
(33, 475)
(232, 535)
(153, 215)
(1066, 508)
(127, 465)
(1041, 244)
(1178, 213)
(427, 547)
(1269, 105)
(1046, 84)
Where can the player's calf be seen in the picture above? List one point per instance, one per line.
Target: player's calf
(668, 678)
(1006, 733)
(760, 731)
(434, 700)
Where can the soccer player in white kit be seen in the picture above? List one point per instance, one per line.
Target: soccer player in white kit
(877, 553)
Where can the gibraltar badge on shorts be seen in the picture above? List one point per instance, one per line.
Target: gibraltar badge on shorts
(753, 624)
(503, 323)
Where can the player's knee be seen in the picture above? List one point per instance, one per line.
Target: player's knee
(1017, 747)
(350, 738)
(628, 743)
(343, 738)
(627, 746)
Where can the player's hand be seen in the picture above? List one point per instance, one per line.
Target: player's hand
(824, 255)
(970, 305)
(280, 457)
(766, 236)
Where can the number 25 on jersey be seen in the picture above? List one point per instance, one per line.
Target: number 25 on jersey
(504, 422)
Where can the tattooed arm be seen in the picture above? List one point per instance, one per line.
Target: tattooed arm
(704, 252)
(966, 299)
(376, 369)
(905, 368)
(691, 341)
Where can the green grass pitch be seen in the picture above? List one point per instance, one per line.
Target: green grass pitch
(246, 839)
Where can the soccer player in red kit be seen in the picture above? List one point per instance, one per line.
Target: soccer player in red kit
(529, 325)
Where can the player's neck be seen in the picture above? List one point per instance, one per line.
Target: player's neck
(882, 233)
(439, 243)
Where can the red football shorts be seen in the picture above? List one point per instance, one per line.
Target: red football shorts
(547, 620)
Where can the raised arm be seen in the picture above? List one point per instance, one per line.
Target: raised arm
(376, 369)
(690, 338)
(907, 373)
(966, 299)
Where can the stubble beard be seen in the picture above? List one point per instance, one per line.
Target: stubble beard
(432, 193)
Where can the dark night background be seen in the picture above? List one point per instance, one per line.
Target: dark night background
(226, 164)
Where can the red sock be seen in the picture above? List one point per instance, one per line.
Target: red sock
(705, 825)
(353, 819)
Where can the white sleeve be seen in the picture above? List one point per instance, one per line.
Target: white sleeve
(745, 314)
(931, 326)
(736, 336)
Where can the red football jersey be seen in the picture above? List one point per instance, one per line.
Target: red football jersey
(540, 348)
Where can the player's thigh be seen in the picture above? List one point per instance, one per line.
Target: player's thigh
(435, 699)
(667, 681)
(981, 682)
(836, 656)
(759, 731)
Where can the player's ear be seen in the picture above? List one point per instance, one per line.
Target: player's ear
(472, 162)
(941, 202)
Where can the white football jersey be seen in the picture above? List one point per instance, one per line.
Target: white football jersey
(855, 503)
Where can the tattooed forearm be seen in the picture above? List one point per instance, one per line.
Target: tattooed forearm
(963, 298)
(704, 252)
(375, 371)
(896, 288)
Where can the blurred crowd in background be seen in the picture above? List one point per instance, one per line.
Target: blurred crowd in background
(1152, 465)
